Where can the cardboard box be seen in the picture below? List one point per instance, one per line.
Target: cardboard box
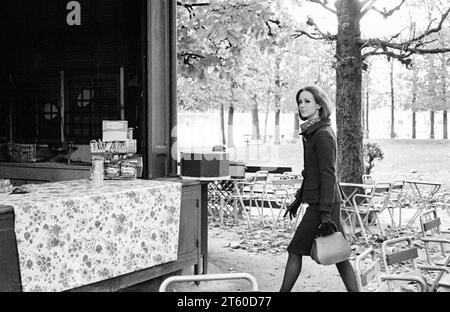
(114, 130)
(205, 165)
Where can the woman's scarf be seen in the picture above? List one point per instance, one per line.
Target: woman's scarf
(304, 126)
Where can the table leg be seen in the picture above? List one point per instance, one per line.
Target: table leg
(416, 214)
(204, 227)
(347, 198)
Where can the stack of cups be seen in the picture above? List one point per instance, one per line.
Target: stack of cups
(97, 172)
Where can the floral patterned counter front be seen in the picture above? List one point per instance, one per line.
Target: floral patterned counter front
(70, 234)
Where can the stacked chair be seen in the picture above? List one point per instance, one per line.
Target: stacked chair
(251, 195)
(284, 190)
(365, 206)
(401, 251)
(396, 201)
(430, 225)
(369, 277)
(396, 266)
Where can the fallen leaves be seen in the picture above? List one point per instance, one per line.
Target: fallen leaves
(262, 238)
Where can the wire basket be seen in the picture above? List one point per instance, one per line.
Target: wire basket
(22, 152)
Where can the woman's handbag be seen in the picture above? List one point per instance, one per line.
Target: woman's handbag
(330, 249)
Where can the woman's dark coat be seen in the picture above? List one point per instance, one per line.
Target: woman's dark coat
(320, 185)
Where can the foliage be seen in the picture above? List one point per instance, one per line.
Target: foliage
(214, 34)
(194, 95)
(372, 152)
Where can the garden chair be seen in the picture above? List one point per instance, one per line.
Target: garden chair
(367, 206)
(442, 201)
(251, 192)
(292, 175)
(399, 254)
(396, 201)
(367, 179)
(370, 278)
(432, 234)
(284, 190)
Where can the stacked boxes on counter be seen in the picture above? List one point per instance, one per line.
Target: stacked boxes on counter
(117, 149)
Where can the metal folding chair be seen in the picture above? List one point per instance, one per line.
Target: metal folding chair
(365, 206)
(370, 278)
(399, 253)
(209, 277)
(442, 200)
(284, 190)
(396, 201)
(431, 233)
(251, 192)
(367, 179)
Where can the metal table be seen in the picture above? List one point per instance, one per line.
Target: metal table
(423, 199)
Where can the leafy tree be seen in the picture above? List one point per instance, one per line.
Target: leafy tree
(214, 35)
(352, 51)
(210, 33)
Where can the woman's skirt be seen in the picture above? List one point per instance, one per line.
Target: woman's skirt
(301, 243)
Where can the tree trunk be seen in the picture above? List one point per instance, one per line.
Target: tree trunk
(230, 126)
(233, 87)
(431, 124)
(222, 124)
(444, 79)
(277, 140)
(296, 133)
(367, 115)
(392, 102)
(266, 117)
(413, 104)
(256, 135)
(348, 92)
(363, 119)
(444, 124)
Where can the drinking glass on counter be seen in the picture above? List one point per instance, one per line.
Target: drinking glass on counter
(97, 172)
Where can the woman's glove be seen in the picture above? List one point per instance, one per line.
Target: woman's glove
(326, 226)
(292, 208)
(325, 217)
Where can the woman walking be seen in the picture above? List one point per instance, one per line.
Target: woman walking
(319, 188)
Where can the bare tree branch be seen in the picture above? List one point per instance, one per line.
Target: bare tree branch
(383, 12)
(190, 7)
(324, 3)
(403, 50)
(433, 30)
(366, 6)
(300, 33)
(317, 35)
(399, 51)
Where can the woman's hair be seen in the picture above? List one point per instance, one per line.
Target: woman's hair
(321, 99)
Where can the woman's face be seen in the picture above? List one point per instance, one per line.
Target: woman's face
(307, 105)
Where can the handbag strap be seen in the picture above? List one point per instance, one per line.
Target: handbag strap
(327, 225)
